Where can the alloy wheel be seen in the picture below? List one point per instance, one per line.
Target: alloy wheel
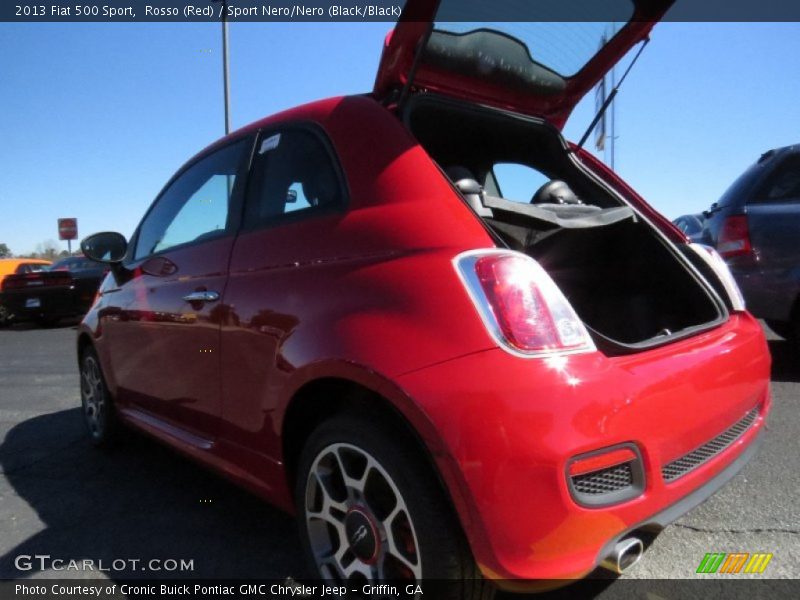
(359, 526)
(93, 396)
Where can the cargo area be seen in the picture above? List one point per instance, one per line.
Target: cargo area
(631, 287)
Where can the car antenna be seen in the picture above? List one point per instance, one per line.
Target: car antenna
(412, 72)
(611, 96)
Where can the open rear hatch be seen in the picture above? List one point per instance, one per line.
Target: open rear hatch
(533, 58)
(630, 285)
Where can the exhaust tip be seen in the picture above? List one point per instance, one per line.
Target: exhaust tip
(626, 553)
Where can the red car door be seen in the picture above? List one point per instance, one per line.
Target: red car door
(295, 198)
(164, 318)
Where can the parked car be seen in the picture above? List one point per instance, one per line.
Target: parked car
(17, 266)
(12, 266)
(755, 226)
(692, 226)
(66, 288)
(441, 381)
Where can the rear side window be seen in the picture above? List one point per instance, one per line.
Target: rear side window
(29, 268)
(75, 265)
(518, 182)
(196, 205)
(784, 183)
(293, 172)
(689, 225)
(740, 189)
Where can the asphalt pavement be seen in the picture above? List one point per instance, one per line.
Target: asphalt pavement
(61, 497)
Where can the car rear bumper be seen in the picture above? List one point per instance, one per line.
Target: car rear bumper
(672, 513)
(41, 303)
(512, 426)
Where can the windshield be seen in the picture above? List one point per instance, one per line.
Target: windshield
(561, 47)
(72, 264)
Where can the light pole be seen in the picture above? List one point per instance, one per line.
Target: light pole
(225, 79)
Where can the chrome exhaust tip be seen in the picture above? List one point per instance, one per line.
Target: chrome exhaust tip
(626, 553)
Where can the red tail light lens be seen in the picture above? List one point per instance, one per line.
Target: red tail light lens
(35, 281)
(734, 238)
(521, 305)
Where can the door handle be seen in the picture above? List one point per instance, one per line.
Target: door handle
(201, 296)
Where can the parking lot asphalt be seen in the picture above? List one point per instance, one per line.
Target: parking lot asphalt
(60, 497)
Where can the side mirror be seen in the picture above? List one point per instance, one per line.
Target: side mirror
(107, 247)
(291, 196)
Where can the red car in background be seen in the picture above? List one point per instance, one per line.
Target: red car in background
(345, 309)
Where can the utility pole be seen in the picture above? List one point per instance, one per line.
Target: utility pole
(225, 78)
(613, 128)
(613, 124)
(226, 89)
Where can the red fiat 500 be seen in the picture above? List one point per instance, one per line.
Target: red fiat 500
(453, 344)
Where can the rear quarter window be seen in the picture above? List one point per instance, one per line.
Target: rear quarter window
(783, 184)
(739, 191)
(294, 173)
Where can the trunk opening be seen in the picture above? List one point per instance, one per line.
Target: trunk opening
(631, 287)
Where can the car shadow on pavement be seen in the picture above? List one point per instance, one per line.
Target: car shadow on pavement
(141, 501)
(71, 322)
(785, 361)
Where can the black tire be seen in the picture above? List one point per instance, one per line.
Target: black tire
(99, 414)
(786, 329)
(427, 524)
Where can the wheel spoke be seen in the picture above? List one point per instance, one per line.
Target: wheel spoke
(350, 482)
(358, 567)
(393, 551)
(392, 547)
(328, 504)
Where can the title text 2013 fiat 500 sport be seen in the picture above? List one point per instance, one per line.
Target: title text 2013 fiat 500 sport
(455, 345)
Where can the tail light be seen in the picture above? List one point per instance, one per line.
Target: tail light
(16, 283)
(714, 260)
(36, 281)
(734, 238)
(520, 305)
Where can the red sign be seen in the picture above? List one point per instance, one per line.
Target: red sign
(67, 229)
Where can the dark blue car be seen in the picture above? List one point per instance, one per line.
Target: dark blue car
(755, 226)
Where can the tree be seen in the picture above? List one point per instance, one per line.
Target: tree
(4, 251)
(48, 249)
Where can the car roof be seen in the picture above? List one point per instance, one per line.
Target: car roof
(318, 111)
(9, 265)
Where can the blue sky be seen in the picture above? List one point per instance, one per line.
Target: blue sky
(94, 118)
